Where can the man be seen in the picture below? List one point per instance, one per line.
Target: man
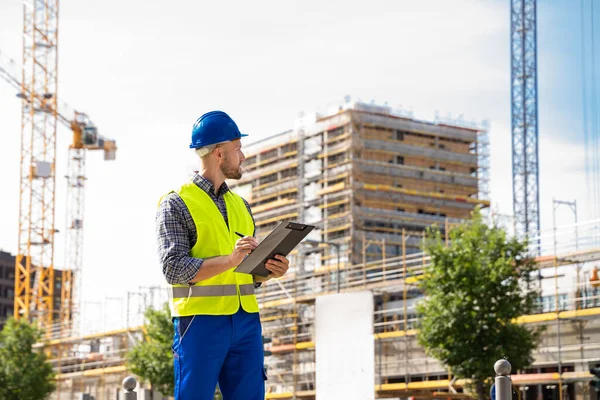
(218, 336)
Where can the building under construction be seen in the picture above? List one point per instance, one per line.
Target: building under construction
(364, 174)
(372, 180)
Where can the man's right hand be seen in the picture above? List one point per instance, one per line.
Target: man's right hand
(242, 248)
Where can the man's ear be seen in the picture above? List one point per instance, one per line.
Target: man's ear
(218, 152)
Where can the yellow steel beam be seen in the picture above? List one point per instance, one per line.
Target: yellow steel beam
(338, 215)
(388, 188)
(276, 303)
(414, 144)
(531, 319)
(267, 149)
(278, 182)
(551, 316)
(277, 218)
(379, 229)
(332, 178)
(334, 203)
(305, 345)
(273, 204)
(433, 384)
(276, 317)
(414, 279)
(284, 395)
(388, 335)
(92, 372)
(289, 395)
(338, 138)
(579, 313)
(335, 188)
(91, 336)
(338, 228)
(522, 320)
(332, 153)
(262, 198)
(269, 160)
(333, 165)
(275, 170)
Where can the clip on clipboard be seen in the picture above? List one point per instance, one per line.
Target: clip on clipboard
(281, 240)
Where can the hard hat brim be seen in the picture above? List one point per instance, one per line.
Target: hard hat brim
(199, 145)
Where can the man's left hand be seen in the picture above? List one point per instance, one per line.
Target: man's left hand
(277, 266)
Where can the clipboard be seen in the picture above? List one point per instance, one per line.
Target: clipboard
(281, 240)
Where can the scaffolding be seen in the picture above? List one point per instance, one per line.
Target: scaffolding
(366, 172)
(402, 368)
(371, 180)
(95, 363)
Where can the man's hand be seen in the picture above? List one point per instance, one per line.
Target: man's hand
(242, 248)
(277, 266)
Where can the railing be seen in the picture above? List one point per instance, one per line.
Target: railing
(571, 242)
(393, 319)
(295, 329)
(89, 361)
(567, 239)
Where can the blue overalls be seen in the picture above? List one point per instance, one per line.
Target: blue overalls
(223, 349)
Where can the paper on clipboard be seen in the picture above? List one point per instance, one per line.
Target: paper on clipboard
(281, 240)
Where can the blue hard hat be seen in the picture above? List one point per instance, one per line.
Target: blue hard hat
(214, 127)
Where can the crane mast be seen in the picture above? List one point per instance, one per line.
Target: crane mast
(85, 137)
(34, 272)
(524, 113)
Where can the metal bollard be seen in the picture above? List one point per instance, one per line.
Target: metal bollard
(503, 383)
(129, 385)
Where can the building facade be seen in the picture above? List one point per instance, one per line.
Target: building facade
(7, 288)
(364, 174)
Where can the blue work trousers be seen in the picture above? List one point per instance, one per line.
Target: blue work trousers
(223, 349)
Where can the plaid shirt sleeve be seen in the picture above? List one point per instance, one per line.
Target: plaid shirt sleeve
(176, 235)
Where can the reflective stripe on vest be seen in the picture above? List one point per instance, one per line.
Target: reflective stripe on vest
(226, 292)
(247, 289)
(220, 290)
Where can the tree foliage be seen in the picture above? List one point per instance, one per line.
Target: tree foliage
(475, 288)
(25, 373)
(152, 359)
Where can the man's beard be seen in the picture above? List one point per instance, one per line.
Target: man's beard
(230, 172)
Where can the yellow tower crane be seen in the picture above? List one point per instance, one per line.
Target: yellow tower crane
(34, 272)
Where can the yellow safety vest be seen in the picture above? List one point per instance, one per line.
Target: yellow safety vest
(223, 293)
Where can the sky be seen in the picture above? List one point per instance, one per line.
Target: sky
(144, 70)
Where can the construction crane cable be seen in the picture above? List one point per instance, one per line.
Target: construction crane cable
(596, 139)
(8, 72)
(586, 137)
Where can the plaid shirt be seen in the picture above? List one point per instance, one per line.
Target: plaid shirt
(176, 232)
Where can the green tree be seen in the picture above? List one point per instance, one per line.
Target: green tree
(25, 373)
(475, 287)
(152, 359)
